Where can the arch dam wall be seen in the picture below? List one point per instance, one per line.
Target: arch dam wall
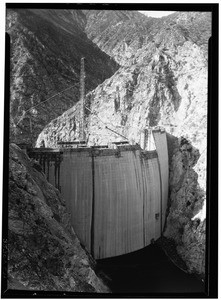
(117, 197)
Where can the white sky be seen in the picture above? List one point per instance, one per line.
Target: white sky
(155, 13)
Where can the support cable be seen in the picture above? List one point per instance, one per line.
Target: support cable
(113, 126)
(43, 102)
(107, 126)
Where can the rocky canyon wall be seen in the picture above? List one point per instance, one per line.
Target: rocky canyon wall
(162, 81)
(44, 253)
(186, 224)
(166, 87)
(46, 47)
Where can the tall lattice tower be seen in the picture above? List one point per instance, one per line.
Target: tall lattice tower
(82, 100)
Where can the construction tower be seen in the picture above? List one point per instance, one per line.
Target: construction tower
(82, 101)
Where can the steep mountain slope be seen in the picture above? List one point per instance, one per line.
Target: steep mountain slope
(43, 252)
(122, 33)
(118, 33)
(46, 48)
(163, 83)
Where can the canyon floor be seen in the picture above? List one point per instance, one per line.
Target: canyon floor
(148, 271)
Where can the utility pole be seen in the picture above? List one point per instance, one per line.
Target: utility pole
(82, 100)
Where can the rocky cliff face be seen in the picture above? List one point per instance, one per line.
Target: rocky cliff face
(162, 83)
(45, 51)
(122, 33)
(186, 225)
(118, 33)
(43, 250)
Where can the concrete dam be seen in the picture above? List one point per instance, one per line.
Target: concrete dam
(117, 197)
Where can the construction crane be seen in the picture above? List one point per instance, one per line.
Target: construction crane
(82, 100)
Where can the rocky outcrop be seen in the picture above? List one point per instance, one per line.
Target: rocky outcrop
(121, 34)
(43, 250)
(185, 223)
(165, 88)
(46, 47)
(163, 84)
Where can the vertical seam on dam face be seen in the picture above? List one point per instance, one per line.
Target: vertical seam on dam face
(161, 198)
(143, 182)
(144, 231)
(92, 205)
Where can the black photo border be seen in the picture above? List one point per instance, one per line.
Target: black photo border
(211, 281)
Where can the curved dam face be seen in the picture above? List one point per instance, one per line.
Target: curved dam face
(117, 197)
